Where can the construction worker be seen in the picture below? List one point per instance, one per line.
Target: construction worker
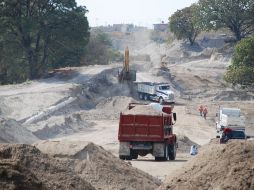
(201, 110)
(205, 111)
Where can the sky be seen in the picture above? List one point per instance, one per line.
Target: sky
(138, 12)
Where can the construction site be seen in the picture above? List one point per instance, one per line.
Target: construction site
(71, 130)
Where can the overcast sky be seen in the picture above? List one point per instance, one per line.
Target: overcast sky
(138, 12)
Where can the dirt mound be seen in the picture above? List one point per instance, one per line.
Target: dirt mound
(143, 110)
(117, 103)
(217, 166)
(24, 167)
(12, 132)
(233, 96)
(56, 126)
(184, 144)
(99, 167)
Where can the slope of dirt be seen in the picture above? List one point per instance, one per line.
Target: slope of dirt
(184, 144)
(217, 166)
(56, 126)
(99, 167)
(12, 132)
(24, 167)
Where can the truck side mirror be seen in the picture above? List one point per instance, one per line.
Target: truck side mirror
(174, 116)
(217, 115)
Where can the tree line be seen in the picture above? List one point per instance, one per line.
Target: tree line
(236, 16)
(39, 35)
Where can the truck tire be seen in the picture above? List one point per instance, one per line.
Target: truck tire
(128, 157)
(172, 151)
(122, 157)
(134, 156)
(166, 154)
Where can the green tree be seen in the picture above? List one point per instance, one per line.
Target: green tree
(36, 35)
(236, 15)
(100, 49)
(242, 69)
(183, 23)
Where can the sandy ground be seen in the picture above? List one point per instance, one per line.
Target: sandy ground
(196, 78)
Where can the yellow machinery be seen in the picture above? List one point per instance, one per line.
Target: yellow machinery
(127, 74)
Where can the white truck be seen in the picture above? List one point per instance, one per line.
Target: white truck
(230, 118)
(159, 92)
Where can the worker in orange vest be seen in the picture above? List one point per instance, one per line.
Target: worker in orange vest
(205, 111)
(201, 110)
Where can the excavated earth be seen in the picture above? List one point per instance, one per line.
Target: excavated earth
(99, 167)
(24, 167)
(217, 166)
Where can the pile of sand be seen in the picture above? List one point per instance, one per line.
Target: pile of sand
(59, 125)
(217, 166)
(12, 132)
(142, 110)
(99, 167)
(24, 167)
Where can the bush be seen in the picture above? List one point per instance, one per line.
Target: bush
(242, 69)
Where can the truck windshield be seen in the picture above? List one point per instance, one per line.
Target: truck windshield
(164, 87)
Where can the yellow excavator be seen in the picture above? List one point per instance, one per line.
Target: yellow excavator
(126, 74)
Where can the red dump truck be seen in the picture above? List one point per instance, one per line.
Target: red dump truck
(142, 131)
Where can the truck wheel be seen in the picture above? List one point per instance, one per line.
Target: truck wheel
(134, 156)
(166, 152)
(128, 157)
(157, 158)
(172, 151)
(122, 157)
(141, 96)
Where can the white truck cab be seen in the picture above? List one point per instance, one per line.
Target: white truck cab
(160, 92)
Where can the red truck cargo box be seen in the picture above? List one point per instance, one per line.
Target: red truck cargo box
(141, 128)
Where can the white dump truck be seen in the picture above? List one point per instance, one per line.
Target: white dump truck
(230, 118)
(159, 92)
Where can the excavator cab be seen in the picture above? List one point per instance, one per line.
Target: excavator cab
(126, 74)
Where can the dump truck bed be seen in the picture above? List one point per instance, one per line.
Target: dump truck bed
(141, 128)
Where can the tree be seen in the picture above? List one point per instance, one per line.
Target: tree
(100, 49)
(183, 24)
(236, 15)
(242, 69)
(36, 35)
